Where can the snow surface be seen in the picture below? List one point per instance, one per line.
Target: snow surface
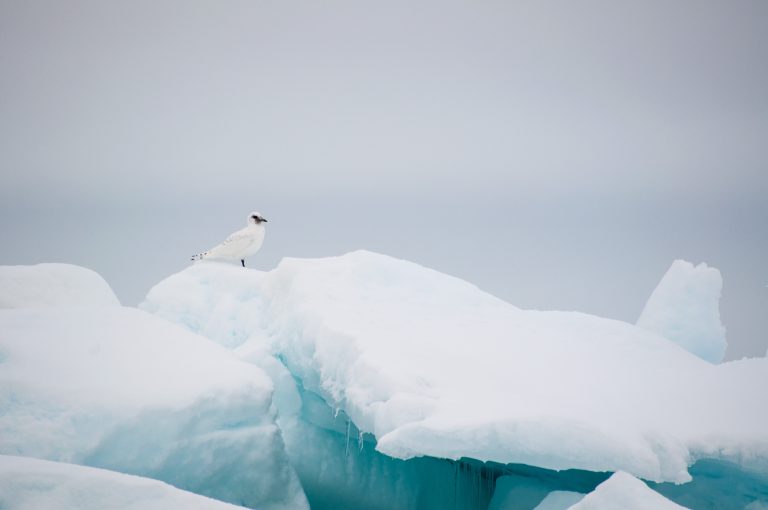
(53, 285)
(433, 366)
(118, 388)
(625, 492)
(33, 484)
(684, 308)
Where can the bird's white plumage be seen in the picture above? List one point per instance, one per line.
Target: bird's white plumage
(241, 244)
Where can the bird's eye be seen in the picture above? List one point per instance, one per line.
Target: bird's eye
(255, 217)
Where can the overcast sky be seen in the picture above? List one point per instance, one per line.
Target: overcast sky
(558, 154)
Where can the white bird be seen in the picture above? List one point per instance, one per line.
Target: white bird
(240, 244)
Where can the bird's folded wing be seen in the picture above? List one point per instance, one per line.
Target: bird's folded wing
(233, 246)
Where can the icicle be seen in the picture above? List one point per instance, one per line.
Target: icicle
(360, 439)
(455, 483)
(346, 449)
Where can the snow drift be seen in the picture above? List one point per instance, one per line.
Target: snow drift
(432, 366)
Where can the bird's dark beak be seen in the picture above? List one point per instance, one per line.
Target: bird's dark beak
(264, 220)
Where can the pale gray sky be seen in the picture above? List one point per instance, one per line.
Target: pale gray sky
(558, 154)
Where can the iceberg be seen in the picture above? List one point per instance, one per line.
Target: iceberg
(363, 381)
(401, 363)
(34, 484)
(53, 285)
(559, 500)
(117, 388)
(626, 492)
(684, 308)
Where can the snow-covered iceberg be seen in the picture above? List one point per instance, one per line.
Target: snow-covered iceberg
(115, 387)
(53, 285)
(685, 308)
(34, 484)
(625, 492)
(429, 365)
(382, 383)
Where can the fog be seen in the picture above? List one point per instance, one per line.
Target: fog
(558, 155)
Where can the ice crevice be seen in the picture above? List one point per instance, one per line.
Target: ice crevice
(340, 467)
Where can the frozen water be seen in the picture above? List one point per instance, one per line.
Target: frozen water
(717, 485)
(560, 500)
(625, 492)
(118, 388)
(527, 492)
(340, 469)
(684, 308)
(394, 386)
(53, 285)
(430, 365)
(33, 484)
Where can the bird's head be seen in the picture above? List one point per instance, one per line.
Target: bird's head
(256, 219)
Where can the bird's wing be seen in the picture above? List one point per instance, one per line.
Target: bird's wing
(233, 246)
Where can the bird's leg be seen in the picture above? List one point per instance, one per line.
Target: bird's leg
(242, 261)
